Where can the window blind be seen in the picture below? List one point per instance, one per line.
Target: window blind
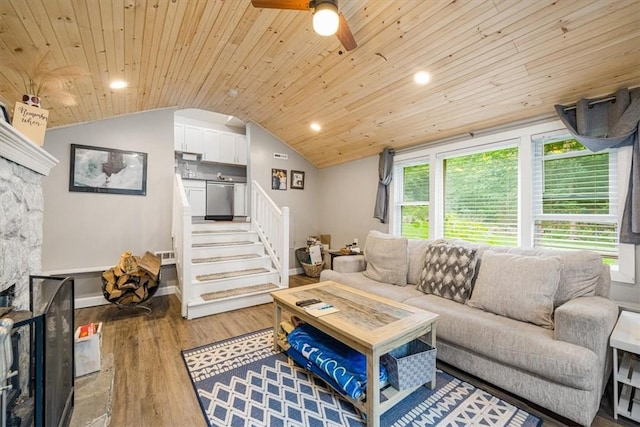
(414, 203)
(574, 197)
(481, 196)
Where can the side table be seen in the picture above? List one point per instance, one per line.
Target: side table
(626, 338)
(338, 252)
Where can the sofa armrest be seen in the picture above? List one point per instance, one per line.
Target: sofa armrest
(587, 322)
(349, 264)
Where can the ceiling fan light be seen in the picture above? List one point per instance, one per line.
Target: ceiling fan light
(325, 19)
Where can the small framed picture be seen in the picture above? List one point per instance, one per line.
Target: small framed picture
(278, 179)
(4, 113)
(297, 180)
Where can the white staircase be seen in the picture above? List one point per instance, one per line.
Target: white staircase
(229, 269)
(225, 265)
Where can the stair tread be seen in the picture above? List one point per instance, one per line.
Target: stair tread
(219, 231)
(225, 258)
(216, 244)
(231, 274)
(237, 291)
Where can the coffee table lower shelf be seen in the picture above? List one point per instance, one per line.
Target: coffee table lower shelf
(389, 396)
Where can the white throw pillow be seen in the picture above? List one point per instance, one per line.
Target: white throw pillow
(386, 257)
(516, 286)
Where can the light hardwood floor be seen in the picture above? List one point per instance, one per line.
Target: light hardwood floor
(152, 387)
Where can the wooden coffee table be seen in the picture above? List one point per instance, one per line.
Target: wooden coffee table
(368, 323)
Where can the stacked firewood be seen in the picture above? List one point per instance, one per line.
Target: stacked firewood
(133, 280)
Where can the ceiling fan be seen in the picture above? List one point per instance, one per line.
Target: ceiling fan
(326, 18)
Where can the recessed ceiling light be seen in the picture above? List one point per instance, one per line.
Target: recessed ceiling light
(422, 77)
(118, 84)
(316, 127)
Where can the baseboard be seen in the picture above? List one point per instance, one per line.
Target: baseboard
(96, 300)
(296, 271)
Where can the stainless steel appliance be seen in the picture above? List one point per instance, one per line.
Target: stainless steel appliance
(219, 200)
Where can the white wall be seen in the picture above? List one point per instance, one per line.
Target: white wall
(83, 230)
(303, 204)
(346, 201)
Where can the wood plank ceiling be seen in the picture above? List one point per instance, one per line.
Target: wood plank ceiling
(492, 63)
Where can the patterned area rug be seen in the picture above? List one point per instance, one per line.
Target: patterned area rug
(243, 382)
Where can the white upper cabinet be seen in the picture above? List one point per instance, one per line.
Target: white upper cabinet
(178, 137)
(227, 148)
(215, 146)
(242, 150)
(193, 139)
(233, 149)
(211, 146)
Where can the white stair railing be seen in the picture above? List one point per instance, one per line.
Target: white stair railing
(181, 234)
(272, 225)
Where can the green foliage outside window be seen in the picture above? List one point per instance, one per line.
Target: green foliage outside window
(415, 221)
(415, 216)
(481, 197)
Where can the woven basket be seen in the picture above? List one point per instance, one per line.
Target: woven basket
(312, 270)
(410, 365)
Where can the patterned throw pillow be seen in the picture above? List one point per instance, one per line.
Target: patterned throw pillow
(448, 271)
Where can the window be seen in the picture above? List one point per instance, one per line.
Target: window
(413, 206)
(481, 197)
(574, 198)
(529, 186)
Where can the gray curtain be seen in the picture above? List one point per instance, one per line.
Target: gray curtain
(599, 125)
(385, 172)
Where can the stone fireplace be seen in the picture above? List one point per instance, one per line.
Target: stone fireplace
(21, 207)
(23, 165)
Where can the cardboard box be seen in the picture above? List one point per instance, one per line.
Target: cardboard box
(31, 121)
(87, 351)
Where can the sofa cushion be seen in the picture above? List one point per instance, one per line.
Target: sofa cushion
(359, 281)
(516, 286)
(416, 252)
(448, 270)
(386, 258)
(520, 345)
(579, 276)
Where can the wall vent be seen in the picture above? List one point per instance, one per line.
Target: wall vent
(166, 257)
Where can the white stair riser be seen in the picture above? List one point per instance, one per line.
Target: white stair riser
(232, 250)
(247, 236)
(207, 308)
(199, 288)
(218, 226)
(198, 269)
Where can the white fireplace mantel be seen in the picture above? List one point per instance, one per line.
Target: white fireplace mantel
(16, 147)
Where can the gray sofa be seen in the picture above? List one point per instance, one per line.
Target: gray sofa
(556, 357)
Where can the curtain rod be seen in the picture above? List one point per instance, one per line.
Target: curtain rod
(610, 98)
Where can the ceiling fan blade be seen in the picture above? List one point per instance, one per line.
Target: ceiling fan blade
(282, 4)
(344, 34)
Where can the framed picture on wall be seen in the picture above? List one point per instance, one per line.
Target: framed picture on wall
(107, 170)
(297, 180)
(278, 179)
